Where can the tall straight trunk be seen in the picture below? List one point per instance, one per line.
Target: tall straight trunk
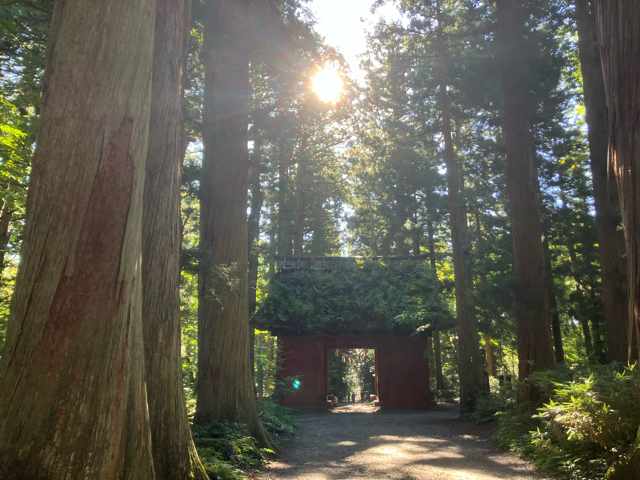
(614, 291)
(72, 391)
(488, 354)
(301, 175)
(620, 49)
(174, 453)
(399, 207)
(5, 232)
(619, 36)
(432, 246)
(253, 228)
(558, 347)
(487, 327)
(225, 387)
(283, 214)
(372, 228)
(597, 325)
(533, 317)
(582, 316)
(469, 365)
(437, 351)
(416, 235)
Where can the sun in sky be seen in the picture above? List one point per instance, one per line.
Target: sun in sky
(327, 85)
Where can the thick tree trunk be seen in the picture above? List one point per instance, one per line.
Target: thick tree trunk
(174, 453)
(533, 319)
(614, 291)
(619, 36)
(620, 40)
(72, 396)
(225, 387)
(469, 365)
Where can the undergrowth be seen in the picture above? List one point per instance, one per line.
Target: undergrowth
(588, 424)
(227, 450)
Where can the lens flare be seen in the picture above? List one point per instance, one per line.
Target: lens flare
(327, 85)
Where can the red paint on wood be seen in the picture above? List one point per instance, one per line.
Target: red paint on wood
(402, 372)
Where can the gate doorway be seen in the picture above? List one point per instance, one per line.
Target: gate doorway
(352, 374)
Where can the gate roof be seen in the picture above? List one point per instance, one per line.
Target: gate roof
(353, 296)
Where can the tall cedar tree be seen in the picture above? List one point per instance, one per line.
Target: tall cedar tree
(619, 35)
(174, 453)
(72, 397)
(225, 388)
(535, 350)
(469, 366)
(614, 295)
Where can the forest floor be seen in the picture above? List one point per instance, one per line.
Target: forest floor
(358, 441)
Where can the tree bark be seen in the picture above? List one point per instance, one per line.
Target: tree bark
(620, 48)
(72, 397)
(558, 347)
(437, 351)
(469, 365)
(284, 248)
(257, 199)
(416, 233)
(614, 295)
(432, 247)
(5, 233)
(533, 319)
(488, 352)
(174, 453)
(620, 51)
(225, 387)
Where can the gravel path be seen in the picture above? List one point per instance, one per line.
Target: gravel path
(360, 442)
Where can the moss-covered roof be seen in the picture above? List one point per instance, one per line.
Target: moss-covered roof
(342, 294)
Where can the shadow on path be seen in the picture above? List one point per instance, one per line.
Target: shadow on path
(362, 442)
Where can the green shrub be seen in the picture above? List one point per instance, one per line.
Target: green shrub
(277, 414)
(488, 408)
(224, 448)
(448, 396)
(218, 470)
(590, 421)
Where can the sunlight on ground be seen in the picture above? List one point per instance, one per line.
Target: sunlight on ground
(327, 84)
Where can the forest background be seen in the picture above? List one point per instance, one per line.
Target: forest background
(414, 160)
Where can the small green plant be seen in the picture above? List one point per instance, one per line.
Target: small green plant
(276, 414)
(589, 423)
(225, 448)
(448, 396)
(489, 407)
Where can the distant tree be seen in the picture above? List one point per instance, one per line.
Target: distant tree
(174, 453)
(225, 388)
(72, 392)
(535, 349)
(614, 295)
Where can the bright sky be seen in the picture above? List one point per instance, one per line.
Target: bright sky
(339, 22)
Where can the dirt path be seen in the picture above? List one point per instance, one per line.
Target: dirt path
(359, 442)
